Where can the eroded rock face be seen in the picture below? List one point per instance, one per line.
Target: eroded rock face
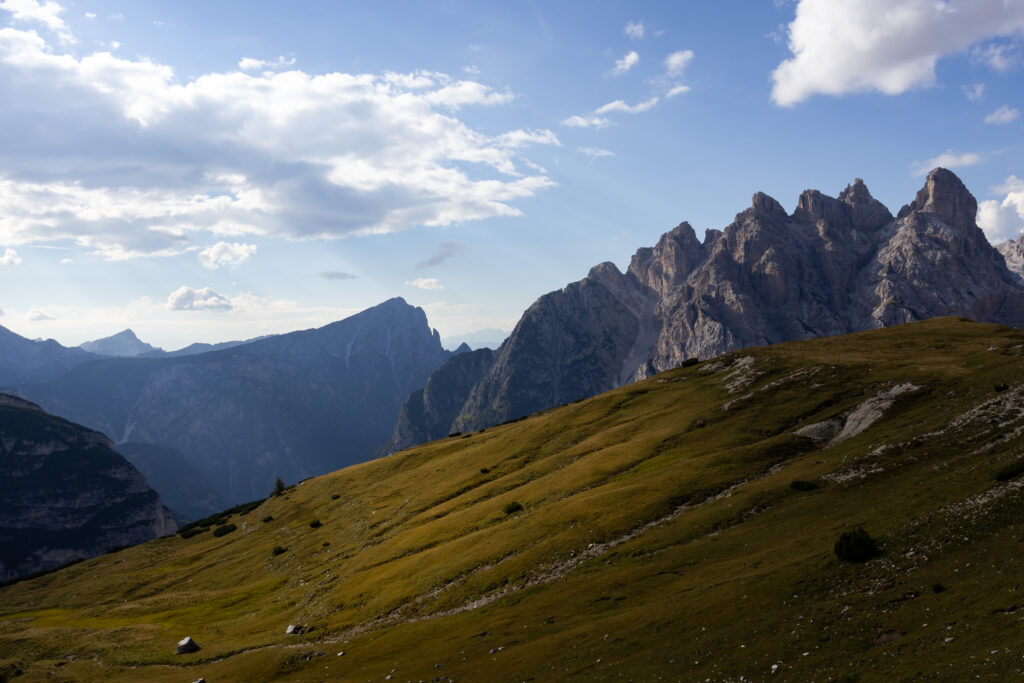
(836, 265)
(1013, 254)
(65, 494)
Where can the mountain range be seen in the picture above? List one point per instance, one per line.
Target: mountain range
(833, 266)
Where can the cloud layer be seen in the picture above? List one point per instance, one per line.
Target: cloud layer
(888, 46)
(1003, 219)
(168, 162)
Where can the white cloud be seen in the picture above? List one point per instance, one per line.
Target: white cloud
(596, 153)
(948, 159)
(999, 56)
(635, 30)
(65, 261)
(471, 69)
(221, 254)
(628, 61)
(974, 91)
(37, 316)
(1005, 114)
(1003, 219)
(47, 14)
(425, 283)
(888, 46)
(337, 154)
(251, 64)
(202, 299)
(10, 258)
(587, 121)
(619, 105)
(677, 90)
(90, 15)
(676, 62)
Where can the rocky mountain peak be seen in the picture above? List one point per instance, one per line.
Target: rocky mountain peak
(604, 272)
(946, 197)
(123, 344)
(763, 204)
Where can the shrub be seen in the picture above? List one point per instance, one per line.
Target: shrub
(268, 518)
(278, 487)
(454, 434)
(325, 544)
(484, 470)
(856, 546)
(513, 507)
(689, 363)
(802, 485)
(190, 532)
(335, 496)
(315, 524)
(938, 588)
(1001, 387)
(1010, 471)
(277, 550)
(224, 530)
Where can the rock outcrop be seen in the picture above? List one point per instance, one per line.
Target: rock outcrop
(1013, 254)
(833, 266)
(65, 494)
(291, 406)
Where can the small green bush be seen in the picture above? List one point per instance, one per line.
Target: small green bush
(938, 588)
(268, 518)
(999, 388)
(454, 434)
(224, 530)
(1010, 471)
(277, 550)
(689, 362)
(513, 507)
(802, 485)
(315, 524)
(189, 533)
(278, 487)
(856, 546)
(335, 496)
(484, 470)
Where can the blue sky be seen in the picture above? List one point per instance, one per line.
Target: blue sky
(215, 171)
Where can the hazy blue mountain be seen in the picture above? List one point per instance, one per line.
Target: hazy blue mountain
(25, 360)
(293, 405)
(65, 493)
(181, 485)
(490, 338)
(123, 344)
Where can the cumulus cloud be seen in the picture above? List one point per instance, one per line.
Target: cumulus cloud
(628, 61)
(948, 159)
(45, 13)
(635, 30)
(278, 153)
(443, 252)
(1003, 219)
(619, 105)
(337, 275)
(587, 121)
(999, 56)
(252, 64)
(226, 254)
(974, 91)
(889, 46)
(37, 316)
(1005, 114)
(676, 62)
(202, 299)
(10, 258)
(425, 283)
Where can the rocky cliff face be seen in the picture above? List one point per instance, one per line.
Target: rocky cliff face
(65, 494)
(833, 266)
(1013, 254)
(290, 406)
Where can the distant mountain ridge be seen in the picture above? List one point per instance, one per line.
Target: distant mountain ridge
(24, 360)
(65, 494)
(836, 265)
(289, 406)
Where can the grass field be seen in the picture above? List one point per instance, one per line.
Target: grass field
(659, 538)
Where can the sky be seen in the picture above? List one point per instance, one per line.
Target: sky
(204, 171)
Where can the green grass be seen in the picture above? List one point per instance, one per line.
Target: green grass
(660, 536)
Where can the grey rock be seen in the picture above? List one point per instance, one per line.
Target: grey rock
(1013, 255)
(294, 629)
(186, 646)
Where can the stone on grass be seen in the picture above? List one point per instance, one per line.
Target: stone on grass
(294, 629)
(187, 645)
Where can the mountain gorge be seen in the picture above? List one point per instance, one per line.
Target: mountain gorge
(288, 406)
(65, 494)
(833, 266)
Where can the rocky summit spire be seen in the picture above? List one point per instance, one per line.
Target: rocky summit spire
(945, 197)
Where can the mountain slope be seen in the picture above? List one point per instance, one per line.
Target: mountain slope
(836, 265)
(289, 406)
(23, 360)
(123, 344)
(680, 528)
(182, 487)
(65, 494)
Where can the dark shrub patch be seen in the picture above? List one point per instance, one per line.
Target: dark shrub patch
(335, 496)
(1010, 471)
(484, 470)
(454, 434)
(224, 530)
(278, 487)
(689, 363)
(190, 532)
(325, 544)
(277, 550)
(802, 485)
(856, 546)
(1001, 387)
(315, 524)
(938, 588)
(513, 507)
(268, 518)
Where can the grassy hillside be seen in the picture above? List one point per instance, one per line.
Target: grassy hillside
(659, 538)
